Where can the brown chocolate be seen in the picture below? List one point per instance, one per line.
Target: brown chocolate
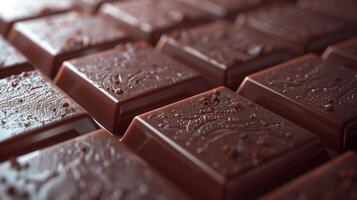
(35, 114)
(11, 61)
(345, 52)
(319, 95)
(223, 8)
(225, 53)
(12, 11)
(304, 27)
(94, 166)
(346, 9)
(219, 145)
(51, 40)
(126, 81)
(333, 181)
(148, 19)
(91, 6)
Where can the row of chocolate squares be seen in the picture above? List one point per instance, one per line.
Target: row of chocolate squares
(158, 10)
(223, 52)
(215, 145)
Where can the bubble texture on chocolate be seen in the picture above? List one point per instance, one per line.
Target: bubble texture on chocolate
(131, 70)
(29, 101)
(95, 166)
(227, 132)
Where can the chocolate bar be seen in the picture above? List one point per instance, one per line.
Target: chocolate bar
(319, 95)
(304, 27)
(334, 180)
(11, 61)
(34, 114)
(225, 53)
(18, 10)
(126, 81)
(345, 52)
(51, 40)
(219, 145)
(148, 19)
(94, 166)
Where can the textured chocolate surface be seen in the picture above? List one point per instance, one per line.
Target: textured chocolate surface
(225, 136)
(34, 113)
(334, 180)
(300, 26)
(147, 19)
(126, 75)
(327, 90)
(223, 8)
(11, 61)
(346, 9)
(95, 166)
(228, 49)
(17, 10)
(51, 40)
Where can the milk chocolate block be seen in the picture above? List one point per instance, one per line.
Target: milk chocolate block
(11, 61)
(225, 53)
(12, 11)
(126, 81)
(346, 9)
(319, 95)
(35, 114)
(148, 19)
(304, 27)
(345, 51)
(49, 41)
(223, 8)
(94, 166)
(219, 145)
(334, 180)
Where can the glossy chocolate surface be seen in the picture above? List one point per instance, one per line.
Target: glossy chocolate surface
(34, 113)
(51, 40)
(346, 9)
(333, 181)
(12, 11)
(11, 61)
(312, 30)
(148, 19)
(225, 53)
(218, 145)
(95, 166)
(127, 81)
(92, 5)
(223, 8)
(319, 95)
(345, 52)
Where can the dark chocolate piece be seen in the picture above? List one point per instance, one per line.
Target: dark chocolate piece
(345, 52)
(304, 27)
(94, 166)
(319, 95)
(218, 145)
(335, 180)
(35, 114)
(223, 8)
(12, 11)
(346, 9)
(126, 81)
(49, 41)
(225, 53)
(148, 19)
(11, 61)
